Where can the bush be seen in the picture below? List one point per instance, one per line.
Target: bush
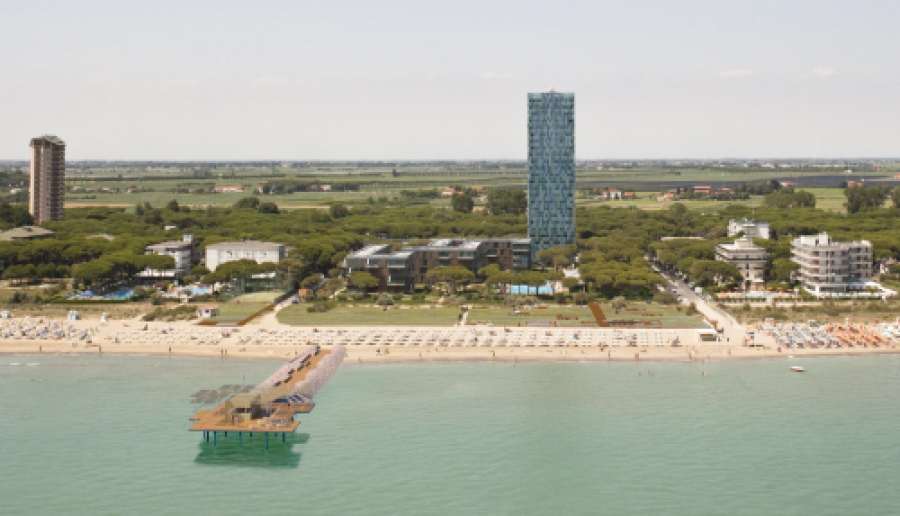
(320, 307)
(342, 297)
(178, 313)
(561, 298)
(664, 297)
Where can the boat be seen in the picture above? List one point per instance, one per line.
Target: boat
(797, 369)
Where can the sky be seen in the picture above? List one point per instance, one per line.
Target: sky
(432, 79)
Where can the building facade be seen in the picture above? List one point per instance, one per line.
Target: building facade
(749, 258)
(184, 252)
(48, 179)
(408, 267)
(551, 170)
(829, 267)
(750, 228)
(260, 252)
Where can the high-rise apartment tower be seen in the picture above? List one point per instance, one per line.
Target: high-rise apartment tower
(48, 178)
(551, 169)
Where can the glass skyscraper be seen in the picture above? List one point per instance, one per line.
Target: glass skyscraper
(551, 169)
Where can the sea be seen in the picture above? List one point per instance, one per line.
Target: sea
(108, 435)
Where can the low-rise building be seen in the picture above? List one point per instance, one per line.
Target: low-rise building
(749, 258)
(229, 188)
(750, 228)
(830, 267)
(25, 233)
(408, 267)
(185, 252)
(260, 252)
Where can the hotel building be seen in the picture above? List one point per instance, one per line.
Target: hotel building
(829, 267)
(408, 267)
(184, 252)
(751, 228)
(749, 258)
(260, 252)
(48, 179)
(551, 169)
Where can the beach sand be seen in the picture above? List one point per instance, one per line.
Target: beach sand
(230, 347)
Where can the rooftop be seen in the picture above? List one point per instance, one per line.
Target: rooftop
(25, 233)
(55, 140)
(246, 244)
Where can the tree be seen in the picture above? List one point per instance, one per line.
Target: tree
(895, 196)
(864, 198)
(462, 203)
(311, 282)
(618, 303)
(338, 211)
(489, 270)
(247, 203)
(507, 202)
(173, 205)
(18, 273)
(268, 207)
(138, 210)
(664, 297)
(570, 283)
(363, 280)
(451, 276)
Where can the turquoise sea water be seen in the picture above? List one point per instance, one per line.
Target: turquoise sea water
(105, 435)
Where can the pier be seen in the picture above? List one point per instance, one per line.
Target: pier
(272, 406)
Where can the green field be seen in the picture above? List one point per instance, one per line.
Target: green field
(365, 316)
(236, 312)
(643, 315)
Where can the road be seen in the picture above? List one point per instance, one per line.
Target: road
(733, 332)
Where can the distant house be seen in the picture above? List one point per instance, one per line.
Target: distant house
(205, 312)
(788, 183)
(447, 192)
(326, 188)
(628, 195)
(702, 190)
(229, 188)
(615, 194)
(25, 233)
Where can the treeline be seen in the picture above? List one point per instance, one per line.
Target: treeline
(289, 186)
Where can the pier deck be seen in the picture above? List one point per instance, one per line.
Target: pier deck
(258, 411)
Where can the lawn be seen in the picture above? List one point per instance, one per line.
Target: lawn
(366, 316)
(566, 316)
(235, 312)
(641, 315)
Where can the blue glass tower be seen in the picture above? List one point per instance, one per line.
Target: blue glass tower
(551, 169)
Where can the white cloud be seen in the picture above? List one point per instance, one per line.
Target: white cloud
(824, 71)
(499, 75)
(741, 72)
(270, 81)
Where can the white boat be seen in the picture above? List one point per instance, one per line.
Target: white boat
(797, 369)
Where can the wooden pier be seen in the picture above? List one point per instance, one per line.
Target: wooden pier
(269, 408)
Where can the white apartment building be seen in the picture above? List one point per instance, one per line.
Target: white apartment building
(749, 258)
(260, 252)
(751, 228)
(829, 267)
(184, 252)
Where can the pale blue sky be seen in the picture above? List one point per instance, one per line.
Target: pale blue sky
(428, 79)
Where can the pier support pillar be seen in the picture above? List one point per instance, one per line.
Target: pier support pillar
(240, 440)
(215, 434)
(282, 437)
(267, 440)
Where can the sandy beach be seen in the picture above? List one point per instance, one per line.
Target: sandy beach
(281, 342)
